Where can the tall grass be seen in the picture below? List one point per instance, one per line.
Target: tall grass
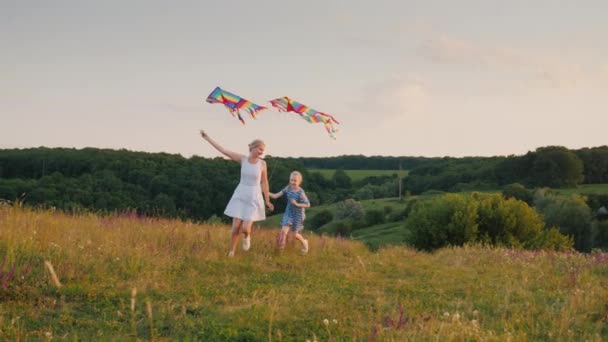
(130, 278)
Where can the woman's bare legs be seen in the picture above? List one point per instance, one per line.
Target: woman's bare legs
(246, 229)
(236, 229)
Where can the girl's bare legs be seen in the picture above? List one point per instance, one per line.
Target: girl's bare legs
(246, 229)
(236, 229)
(302, 240)
(283, 237)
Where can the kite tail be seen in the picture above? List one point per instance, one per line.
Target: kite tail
(235, 113)
(254, 110)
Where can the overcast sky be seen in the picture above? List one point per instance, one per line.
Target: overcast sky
(415, 78)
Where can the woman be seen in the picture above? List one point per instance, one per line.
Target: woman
(246, 204)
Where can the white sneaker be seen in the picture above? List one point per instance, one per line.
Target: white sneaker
(247, 243)
(304, 246)
(231, 254)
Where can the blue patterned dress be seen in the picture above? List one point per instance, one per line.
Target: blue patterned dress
(294, 216)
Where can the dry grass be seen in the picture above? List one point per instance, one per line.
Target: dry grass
(125, 278)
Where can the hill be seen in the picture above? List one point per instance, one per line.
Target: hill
(134, 278)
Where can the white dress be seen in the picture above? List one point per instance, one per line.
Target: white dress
(247, 202)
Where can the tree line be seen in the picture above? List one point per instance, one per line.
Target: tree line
(551, 166)
(154, 184)
(198, 188)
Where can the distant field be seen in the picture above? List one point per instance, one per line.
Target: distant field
(376, 204)
(586, 189)
(357, 175)
(392, 233)
(601, 189)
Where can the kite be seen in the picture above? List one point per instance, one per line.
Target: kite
(285, 104)
(234, 103)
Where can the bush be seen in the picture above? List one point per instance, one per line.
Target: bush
(320, 219)
(364, 193)
(570, 214)
(552, 239)
(349, 209)
(342, 228)
(387, 209)
(519, 192)
(398, 215)
(599, 234)
(403, 213)
(374, 217)
(456, 219)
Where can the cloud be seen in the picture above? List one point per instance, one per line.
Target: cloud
(548, 69)
(396, 97)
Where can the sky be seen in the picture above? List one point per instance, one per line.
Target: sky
(404, 78)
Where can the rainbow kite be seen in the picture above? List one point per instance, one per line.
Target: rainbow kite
(234, 103)
(285, 104)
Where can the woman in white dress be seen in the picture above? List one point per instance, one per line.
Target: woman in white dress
(247, 203)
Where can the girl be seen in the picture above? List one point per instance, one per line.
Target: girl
(294, 212)
(246, 204)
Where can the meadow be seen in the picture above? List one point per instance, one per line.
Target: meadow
(124, 277)
(357, 175)
(597, 189)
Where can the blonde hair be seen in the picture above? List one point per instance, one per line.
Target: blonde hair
(256, 143)
(296, 173)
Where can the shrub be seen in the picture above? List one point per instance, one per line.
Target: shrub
(599, 232)
(398, 215)
(364, 193)
(342, 228)
(552, 239)
(320, 219)
(374, 217)
(570, 214)
(387, 209)
(349, 209)
(519, 192)
(456, 219)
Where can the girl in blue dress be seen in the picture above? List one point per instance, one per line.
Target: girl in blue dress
(294, 212)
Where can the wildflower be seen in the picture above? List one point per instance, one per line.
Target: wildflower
(446, 314)
(326, 321)
(335, 321)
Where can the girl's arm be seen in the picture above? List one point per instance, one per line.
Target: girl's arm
(276, 195)
(232, 155)
(265, 189)
(304, 202)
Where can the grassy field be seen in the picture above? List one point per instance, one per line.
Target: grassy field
(586, 189)
(129, 278)
(357, 175)
(379, 204)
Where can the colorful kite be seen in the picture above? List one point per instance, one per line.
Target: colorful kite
(234, 103)
(285, 104)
